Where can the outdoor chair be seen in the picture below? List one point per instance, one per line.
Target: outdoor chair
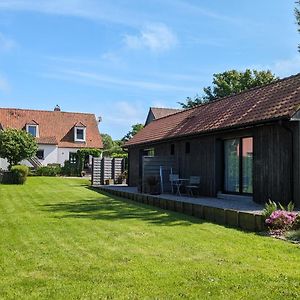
(194, 184)
(174, 182)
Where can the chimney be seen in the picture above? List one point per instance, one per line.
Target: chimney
(57, 108)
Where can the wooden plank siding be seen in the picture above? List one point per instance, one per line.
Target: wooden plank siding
(272, 164)
(296, 163)
(276, 160)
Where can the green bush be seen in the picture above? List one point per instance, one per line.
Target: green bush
(70, 169)
(17, 175)
(293, 235)
(48, 171)
(272, 206)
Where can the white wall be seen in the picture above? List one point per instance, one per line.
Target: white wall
(63, 154)
(3, 164)
(52, 154)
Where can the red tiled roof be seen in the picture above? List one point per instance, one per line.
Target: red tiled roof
(55, 127)
(48, 140)
(32, 122)
(277, 100)
(79, 124)
(163, 112)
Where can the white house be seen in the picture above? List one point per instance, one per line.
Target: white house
(59, 134)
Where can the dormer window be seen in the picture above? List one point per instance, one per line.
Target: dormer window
(33, 128)
(80, 132)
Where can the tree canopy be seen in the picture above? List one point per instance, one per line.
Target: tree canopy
(112, 148)
(134, 130)
(229, 83)
(107, 140)
(297, 14)
(16, 145)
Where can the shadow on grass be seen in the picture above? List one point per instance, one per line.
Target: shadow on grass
(112, 208)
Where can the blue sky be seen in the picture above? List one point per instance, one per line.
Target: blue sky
(118, 58)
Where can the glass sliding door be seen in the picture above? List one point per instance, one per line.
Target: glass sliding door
(238, 162)
(247, 146)
(232, 165)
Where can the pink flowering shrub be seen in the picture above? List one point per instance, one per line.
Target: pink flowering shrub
(281, 220)
(297, 222)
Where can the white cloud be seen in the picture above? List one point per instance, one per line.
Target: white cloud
(282, 67)
(97, 79)
(156, 37)
(110, 11)
(6, 43)
(125, 113)
(112, 58)
(287, 67)
(197, 10)
(4, 85)
(87, 9)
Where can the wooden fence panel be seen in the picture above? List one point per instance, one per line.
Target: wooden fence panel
(152, 166)
(117, 168)
(106, 168)
(96, 171)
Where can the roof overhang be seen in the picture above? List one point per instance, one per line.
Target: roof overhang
(296, 116)
(210, 132)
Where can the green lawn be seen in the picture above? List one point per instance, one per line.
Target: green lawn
(61, 240)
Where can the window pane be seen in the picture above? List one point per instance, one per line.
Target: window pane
(172, 152)
(151, 152)
(80, 135)
(247, 164)
(72, 158)
(40, 154)
(32, 130)
(232, 165)
(187, 147)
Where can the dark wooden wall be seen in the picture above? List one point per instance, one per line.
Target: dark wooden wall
(199, 162)
(296, 163)
(276, 166)
(272, 168)
(133, 166)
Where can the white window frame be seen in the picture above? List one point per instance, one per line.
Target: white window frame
(76, 139)
(36, 129)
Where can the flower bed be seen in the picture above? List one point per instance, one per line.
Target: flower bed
(282, 223)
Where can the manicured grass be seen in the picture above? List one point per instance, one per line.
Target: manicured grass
(61, 240)
(294, 235)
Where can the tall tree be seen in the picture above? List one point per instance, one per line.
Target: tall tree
(134, 130)
(16, 145)
(297, 14)
(229, 83)
(112, 148)
(107, 140)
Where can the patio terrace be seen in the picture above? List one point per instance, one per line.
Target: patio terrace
(233, 211)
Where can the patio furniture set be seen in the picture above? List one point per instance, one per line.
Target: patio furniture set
(190, 185)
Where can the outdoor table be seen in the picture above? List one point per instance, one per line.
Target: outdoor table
(178, 183)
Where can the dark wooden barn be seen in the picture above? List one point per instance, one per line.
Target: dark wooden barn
(246, 144)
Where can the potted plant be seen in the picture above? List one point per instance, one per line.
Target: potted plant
(122, 178)
(109, 181)
(153, 184)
